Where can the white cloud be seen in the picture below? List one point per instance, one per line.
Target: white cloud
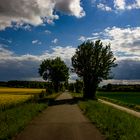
(70, 7)
(36, 42)
(119, 4)
(82, 38)
(55, 41)
(104, 7)
(125, 42)
(47, 32)
(122, 5)
(4, 53)
(23, 26)
(35, 12)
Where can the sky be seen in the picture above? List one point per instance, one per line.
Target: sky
(31, 31)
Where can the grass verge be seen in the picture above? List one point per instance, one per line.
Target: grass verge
(15, 119)
(113, 123)
(76, 95)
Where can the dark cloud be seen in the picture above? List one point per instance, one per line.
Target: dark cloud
(19, 70)
(127, 69)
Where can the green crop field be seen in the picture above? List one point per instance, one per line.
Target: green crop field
(126, 97)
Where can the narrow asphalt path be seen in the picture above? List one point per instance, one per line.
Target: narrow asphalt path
(62, 121)
(130, 111)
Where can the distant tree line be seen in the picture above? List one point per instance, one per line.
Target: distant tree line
(76, 87)
(113, 87)
(24, 84)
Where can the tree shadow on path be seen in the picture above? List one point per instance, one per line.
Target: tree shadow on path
(75, 100)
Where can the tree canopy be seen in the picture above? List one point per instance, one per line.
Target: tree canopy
(92, 61)
(54, 70)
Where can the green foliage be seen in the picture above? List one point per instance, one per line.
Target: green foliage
(115, 124)
(71, 87)
(93, 62)
(78, 86)
(50, 88)
(54, 70)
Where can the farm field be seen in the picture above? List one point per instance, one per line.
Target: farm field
(12, 96)
(7, 100)
(7, 90)
(126, 97)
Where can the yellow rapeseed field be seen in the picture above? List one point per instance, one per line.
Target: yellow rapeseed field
(7, 100)
(19, 90)
(14, 96)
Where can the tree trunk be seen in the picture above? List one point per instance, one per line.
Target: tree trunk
(89, 90)
(56, 86)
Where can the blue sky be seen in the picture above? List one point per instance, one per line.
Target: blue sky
(31, 31)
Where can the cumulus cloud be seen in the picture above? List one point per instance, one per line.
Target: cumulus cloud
(47, 32)
(127, 69)
(36, 42)
(82, 38)
(55, 41)
(35, 12)
(104, 7)
(122, 5)
(25, 67)
(125, 42)
(71, 7)
(118, 5)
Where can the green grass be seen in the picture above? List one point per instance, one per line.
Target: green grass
(15, 119)
(126, 97)
(76, 95)
(113, 123)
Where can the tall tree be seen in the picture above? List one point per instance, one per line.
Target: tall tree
(92, 61)
(54, 70)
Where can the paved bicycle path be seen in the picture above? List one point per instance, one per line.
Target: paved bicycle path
(63, 121)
